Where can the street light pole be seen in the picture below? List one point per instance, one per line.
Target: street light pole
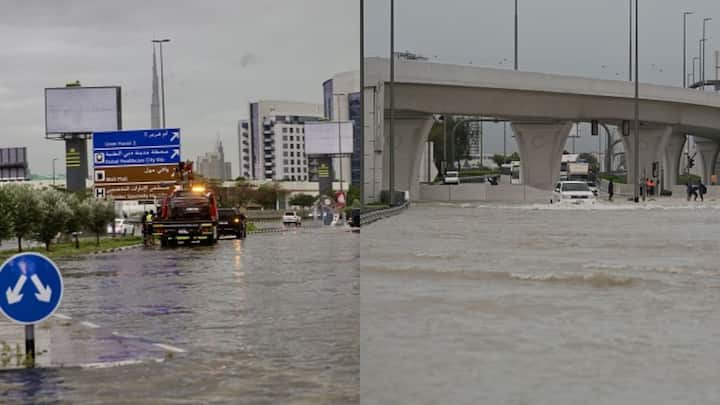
(340, 160)
(391, 135)
(362, 104)
(636, 151)
(702, 57)
(162, 77)
(693, 69)
(685, 14)
(630, 46)
(516, 34)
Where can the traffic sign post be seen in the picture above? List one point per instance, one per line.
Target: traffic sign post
(31, 289)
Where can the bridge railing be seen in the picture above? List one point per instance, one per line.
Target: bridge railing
(376, 215)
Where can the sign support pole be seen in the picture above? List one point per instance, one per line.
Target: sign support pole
(30, 345)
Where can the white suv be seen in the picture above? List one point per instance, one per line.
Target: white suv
(291, 217)
(572, 192)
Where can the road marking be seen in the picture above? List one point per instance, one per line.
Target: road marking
(109, 364)
(90, 325)
(118, 334)
(61, 316)
(170, 348)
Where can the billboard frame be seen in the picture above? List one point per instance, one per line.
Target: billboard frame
(55, 136)
(351, 137)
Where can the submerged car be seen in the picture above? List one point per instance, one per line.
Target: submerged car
(572, 192)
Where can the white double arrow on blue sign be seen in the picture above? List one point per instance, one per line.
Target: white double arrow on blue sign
(13, 295)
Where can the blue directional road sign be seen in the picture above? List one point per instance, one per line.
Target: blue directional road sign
(137, 138)
(31, 288)
(160, 155)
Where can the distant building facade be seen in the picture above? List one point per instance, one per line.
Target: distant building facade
(341, 99)
(14, 164)
(272, 141)
(212, 165)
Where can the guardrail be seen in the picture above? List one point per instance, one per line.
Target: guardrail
(376, 215)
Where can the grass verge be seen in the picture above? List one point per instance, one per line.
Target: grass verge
(68, 249)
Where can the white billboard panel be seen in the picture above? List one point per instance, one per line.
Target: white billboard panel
(82, 109)
(322, 137)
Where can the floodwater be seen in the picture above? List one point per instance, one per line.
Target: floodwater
(272, 319)
(520, 304)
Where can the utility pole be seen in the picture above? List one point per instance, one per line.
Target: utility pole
(362, 104)
(636, 151)
(516, 34)
(391, 137)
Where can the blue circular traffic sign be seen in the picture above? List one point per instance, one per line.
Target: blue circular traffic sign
(31, 288)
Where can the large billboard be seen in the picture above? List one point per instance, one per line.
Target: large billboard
(321, 138)
(82, 110)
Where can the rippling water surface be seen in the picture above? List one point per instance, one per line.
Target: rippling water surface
(273, 319)
(470, 303)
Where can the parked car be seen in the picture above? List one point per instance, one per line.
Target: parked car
(451, 177)
(291, 217)
(572, 192)
(231, 222)
(122, 227)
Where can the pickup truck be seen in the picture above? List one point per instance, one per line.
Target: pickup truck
(187, 217)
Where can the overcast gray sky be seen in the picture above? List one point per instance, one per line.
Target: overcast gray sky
(573, 37)
(223, 54)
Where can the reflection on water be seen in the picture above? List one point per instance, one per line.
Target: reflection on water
(543, 305)
(272, 319)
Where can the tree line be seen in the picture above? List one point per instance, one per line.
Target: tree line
(43, 214)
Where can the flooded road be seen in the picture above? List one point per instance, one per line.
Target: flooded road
(272, 319)
(468, 304)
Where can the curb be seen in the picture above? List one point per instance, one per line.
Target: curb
(117, 249)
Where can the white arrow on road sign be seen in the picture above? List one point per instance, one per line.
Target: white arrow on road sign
(175, 136)
(175, 153)
(44, 292)
(13, 295)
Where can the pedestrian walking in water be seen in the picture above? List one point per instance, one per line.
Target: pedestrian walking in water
(690, 190)
(149, 225)
(143, 226)
(701, 190)
(611, 190)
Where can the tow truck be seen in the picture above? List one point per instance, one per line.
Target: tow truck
(189, 214)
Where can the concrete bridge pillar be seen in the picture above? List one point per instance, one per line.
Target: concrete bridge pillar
(410, 135)
(653, 143)
(671, 162)
(708, 152)
(540, 146)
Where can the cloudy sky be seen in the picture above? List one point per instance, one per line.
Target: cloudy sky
(223, 54)
(574, 37)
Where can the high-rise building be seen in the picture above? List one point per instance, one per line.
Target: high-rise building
(272, 142)
(212, 165)
(341, 99)
(155, 104)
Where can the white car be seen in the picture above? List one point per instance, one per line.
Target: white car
(572, 192)
(122, 227)
(291, 217)
(451, 177)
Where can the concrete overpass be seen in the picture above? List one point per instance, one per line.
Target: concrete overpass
(541, 108)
